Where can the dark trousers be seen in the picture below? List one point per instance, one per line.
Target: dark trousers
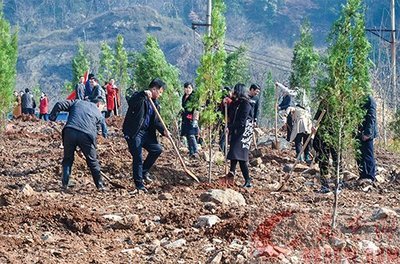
(243, 167)
(192, 144)
(300, 139)
(289, 126)
(44, 116)
(135, 145)
(73, 138)
(366, 160)
(324, 151)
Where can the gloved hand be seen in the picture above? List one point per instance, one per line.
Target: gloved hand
(195, 124)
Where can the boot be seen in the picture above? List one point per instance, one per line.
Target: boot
(247, 183)
(98, 181)
(65, 178)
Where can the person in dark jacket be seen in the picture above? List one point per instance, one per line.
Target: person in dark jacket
(254, 91)
(139, 129)
(28, 105)
(81, 131)
(97, 90)
(240, 126)
(367, 132)
(80, 89)
(190, 126)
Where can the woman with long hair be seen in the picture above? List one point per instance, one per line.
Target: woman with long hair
(240, 126)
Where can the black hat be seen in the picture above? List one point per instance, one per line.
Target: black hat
(255, 86)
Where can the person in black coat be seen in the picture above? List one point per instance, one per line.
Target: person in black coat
(190, 127)
(254, 92)
(81, 131)
(240, 126)
(367, 132)
(139, 130)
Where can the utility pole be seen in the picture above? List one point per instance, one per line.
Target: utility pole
(393, 49)
(209, 13)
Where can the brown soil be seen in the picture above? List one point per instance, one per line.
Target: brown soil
(49, 226)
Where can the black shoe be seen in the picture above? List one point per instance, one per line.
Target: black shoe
(147, 178)
(324, 190)
(142, 189)
(247, 184)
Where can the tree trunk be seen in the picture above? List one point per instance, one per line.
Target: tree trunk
(336, 196)
(209, 153)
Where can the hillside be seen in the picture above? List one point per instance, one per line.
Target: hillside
(49, 31)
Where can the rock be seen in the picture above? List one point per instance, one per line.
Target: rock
(382, 213)
(165, 196)
(256, 162)
(219, 158)
(216, 259)
(112, 217)
(132, 219)
(207, 220)
(217, 241)
(176, 244)
(226, 197)
(380, 178)
(47, 236)
(337, 243)
(132, 250)
(236, 245)
(257, 153)
(368, 247)
(240, 259)
(27, 190)
(288, 167)
(210, 206)
(349, 176)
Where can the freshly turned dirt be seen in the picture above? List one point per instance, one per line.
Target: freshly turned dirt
(45, 225)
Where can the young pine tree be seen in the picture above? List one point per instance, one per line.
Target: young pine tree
(268, 100)
(304, 62)
(344, 90)
(121, 64)
(80, 63)
(8, 70)
(211, 72)
(152, 64)
(106, 63)
(236, 68)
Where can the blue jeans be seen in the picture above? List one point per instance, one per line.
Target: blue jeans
(135, 145)
(192, 144)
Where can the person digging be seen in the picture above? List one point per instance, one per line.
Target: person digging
(81, 131)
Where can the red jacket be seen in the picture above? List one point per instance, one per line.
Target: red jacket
(110, 97)
(44, 105)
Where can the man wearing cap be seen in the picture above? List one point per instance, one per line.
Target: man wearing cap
(139, 130)
(81, 131)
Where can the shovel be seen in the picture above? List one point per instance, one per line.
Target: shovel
(191, 174)
(286, 179)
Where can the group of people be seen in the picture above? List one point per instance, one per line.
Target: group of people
(25, 105)
(141, 123)
(91, 90)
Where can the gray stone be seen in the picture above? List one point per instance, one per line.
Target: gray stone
(226, 197)
(368, 247)
(176, 244)
(112, 217)
(382, 213)
(165, 196)
(27, 190)
(216, 259)
(47, 236)
(207, 220)
(337, 243)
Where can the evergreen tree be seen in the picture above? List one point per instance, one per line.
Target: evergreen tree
(236, 68)
(106, 63)
(268, 99)
(121, 64)
(344, 91)
(304, 62)
(8, 69)
(211, 72)
(80, 63)
(152, 64)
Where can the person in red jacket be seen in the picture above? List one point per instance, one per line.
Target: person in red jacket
(111, 95)
(44, 107)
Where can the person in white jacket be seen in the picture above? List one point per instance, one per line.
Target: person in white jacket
(302, 126)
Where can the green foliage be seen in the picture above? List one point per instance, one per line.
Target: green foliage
(211, 70)
(152, 64)
(344, 91)
(36, 92)
(121, 64)
(305, 60)
(236, 68)
(105, 72)
(395, 125)
(8, 68)
(268, 98)
(80, 63)
(69, 87)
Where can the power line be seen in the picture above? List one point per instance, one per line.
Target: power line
(257, 53)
